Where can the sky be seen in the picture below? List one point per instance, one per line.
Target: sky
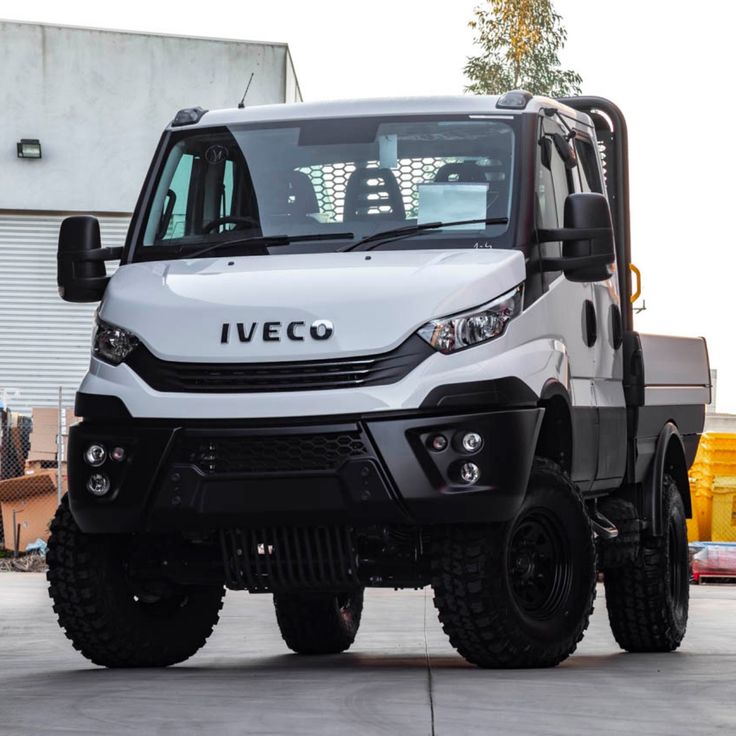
(668, 64)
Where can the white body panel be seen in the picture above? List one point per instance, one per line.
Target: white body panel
(676, 370)
(375, 301)
(177, 308)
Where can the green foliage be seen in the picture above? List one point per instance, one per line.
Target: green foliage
(519, 42)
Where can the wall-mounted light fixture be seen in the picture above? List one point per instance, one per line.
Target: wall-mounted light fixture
(29, 148)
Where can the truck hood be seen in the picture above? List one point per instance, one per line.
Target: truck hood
(373, 300)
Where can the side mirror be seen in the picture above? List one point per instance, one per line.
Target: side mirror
(587, 239)
(81, 274)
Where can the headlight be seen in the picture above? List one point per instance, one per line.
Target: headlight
(113, 344)
(472, 328)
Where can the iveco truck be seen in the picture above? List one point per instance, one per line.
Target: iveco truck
(377, 343)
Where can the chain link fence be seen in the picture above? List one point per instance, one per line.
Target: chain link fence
(33, 474)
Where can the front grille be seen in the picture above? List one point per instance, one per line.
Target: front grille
(306, 375)
(281, 558)
(271, 454)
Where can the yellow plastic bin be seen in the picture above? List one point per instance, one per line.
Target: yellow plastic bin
(724, 510)
(702, 499)
(693, 531)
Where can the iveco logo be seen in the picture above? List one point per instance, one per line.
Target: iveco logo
(320, 329)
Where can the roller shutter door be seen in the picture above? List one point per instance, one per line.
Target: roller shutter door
(44, 341)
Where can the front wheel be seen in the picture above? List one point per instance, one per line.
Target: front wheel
(112, 619)
(519, 594)
(319, 623)
(648, 598)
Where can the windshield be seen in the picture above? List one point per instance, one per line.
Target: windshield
(344, 179)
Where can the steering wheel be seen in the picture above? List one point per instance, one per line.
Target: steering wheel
(234, 219)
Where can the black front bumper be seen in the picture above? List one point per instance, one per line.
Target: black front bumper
(197, 476)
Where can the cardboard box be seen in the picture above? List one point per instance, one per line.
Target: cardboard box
(29, 501)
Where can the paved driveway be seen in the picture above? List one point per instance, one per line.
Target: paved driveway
(401, 677)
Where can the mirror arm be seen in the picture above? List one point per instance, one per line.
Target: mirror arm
(575, 262)
(566, 234)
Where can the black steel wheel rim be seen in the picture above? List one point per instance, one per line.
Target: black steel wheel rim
(539, 564)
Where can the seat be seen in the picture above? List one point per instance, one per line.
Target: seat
(302, 199)
(373, 193)
(463, 171)
(287, 194)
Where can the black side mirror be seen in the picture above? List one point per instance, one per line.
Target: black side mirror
(587, 239)
(81, 274)
(588, 211)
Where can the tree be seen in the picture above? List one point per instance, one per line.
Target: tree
(519, 42)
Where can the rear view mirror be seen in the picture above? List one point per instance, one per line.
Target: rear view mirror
(81, 274)
(587, 239)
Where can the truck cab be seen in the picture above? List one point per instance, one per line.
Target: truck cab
(379, 343)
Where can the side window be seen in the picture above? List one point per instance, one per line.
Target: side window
(561, 181)
(588, 164)
(173, 219)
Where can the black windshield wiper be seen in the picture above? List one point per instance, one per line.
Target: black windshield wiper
(268, 241)
(405, 232)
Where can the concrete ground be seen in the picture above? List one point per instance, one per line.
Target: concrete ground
(401, 677)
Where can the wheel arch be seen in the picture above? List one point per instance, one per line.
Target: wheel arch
(669, 457)
(555, 435)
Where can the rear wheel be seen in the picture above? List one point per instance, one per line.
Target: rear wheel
(114, 620)
(519, 594)
(319, 623)
(648, 598)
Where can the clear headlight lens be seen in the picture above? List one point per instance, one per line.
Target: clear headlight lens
(472, 328)
(113, 344)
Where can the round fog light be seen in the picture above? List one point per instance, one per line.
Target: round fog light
(118, 454)
(472, 442)
(95, 455)
(98, 484)
(469, 473)
(438, 442)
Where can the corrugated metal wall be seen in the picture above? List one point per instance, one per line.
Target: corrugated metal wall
(44, 341)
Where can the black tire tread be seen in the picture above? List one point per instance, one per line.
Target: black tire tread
(97, 628)
(637, 594)
(474, 610)
(624, 548)
(311, 623)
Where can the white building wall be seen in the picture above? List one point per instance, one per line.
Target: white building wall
(98, 101)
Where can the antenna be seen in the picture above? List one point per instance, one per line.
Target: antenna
(241, 104)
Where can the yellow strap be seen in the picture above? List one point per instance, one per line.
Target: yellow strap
(637, 273)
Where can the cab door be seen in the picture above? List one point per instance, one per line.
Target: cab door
(608, 326)
(569, 308)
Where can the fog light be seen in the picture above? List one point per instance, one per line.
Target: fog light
(438, 442)
(95, 455)
(472, 442)
(118, 454)
(98, 484)
(469, 473)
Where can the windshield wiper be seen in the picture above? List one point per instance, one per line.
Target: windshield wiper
(267, 241)
(405, 232)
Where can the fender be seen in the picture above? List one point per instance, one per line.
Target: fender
(670, 453)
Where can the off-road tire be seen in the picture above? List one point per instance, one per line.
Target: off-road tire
(481, 583)
(108, 623)
(648, 599)
(625, 547)
(319, 623)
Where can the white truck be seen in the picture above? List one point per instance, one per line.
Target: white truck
(378, 343)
